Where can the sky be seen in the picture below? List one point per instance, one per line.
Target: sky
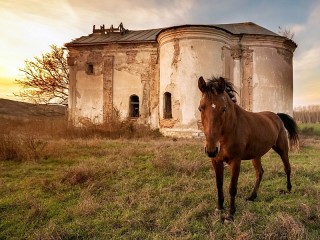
(29, 27)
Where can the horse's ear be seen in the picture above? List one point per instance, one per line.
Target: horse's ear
(221, 85)
(202, 84)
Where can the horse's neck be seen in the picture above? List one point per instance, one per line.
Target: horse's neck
(232, 116)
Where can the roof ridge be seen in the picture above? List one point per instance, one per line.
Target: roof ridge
(150, 35)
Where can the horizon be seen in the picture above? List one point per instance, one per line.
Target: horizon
(30, 27)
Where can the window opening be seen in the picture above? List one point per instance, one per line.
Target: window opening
(134, 106)
(167, 105)
(89, 68)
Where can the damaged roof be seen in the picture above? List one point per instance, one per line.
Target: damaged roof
(105, 36)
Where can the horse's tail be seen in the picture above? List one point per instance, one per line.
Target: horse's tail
(292, 128)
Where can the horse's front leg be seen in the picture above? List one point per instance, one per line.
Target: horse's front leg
(219, 168)
(235, 170)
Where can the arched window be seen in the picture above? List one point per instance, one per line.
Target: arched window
(89, 68)
(134, 106)
(167, 105)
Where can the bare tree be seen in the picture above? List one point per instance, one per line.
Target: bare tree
(286, 33)
(46, 78)
(307, 114)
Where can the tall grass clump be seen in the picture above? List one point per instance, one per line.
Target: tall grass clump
(127, 129)
(59, 128)
(21, 147)
(10, 148)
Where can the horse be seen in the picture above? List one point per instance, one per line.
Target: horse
(233, 134)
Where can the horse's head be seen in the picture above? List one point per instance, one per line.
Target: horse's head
(213, 107)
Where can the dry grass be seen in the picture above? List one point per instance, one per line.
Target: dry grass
(49, 232)
(80, 174)
(166, 161)
(28, 140)
(284, 226)
(87, 205)
(21, 147)
(145, 188)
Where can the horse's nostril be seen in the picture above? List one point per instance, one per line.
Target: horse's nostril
(214, 153)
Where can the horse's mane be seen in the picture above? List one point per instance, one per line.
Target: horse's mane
(215, 82)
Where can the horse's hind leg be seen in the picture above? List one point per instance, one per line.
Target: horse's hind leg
(282, 148)
(259, 173)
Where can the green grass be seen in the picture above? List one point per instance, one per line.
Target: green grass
(310, 129)
(153, 189)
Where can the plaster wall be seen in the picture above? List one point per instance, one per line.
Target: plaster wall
(85, 90)
(185, 55)
(125, 85)
(272, 80)
(89, 98)
(131, 69)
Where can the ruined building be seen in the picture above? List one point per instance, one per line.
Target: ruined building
(151, 75)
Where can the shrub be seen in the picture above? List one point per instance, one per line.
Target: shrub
(21, 148)
(308, 131)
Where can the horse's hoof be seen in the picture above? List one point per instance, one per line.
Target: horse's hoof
(283, 192)
(251, 199)
(229, 219)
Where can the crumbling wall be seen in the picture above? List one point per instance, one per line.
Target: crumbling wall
(260, 67)
(119, 71)
(185, 55)
(136, 72)
(246, 89)
(108, 88)
(272, 82)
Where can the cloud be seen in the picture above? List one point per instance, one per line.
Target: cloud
(307, 77)
(307, 60)
(28, 27)
(297, 28)
(137, 14)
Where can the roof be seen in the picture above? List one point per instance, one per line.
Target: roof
(129, 36)
(246, 28)
(150, 35)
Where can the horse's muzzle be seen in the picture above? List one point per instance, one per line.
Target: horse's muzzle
(212, 154)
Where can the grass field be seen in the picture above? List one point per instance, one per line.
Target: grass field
(147, 188)
(310, 129)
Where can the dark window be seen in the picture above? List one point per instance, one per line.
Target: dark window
(167, 105)
(134, 106)
(89, 68)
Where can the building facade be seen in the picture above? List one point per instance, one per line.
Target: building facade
(151, 75)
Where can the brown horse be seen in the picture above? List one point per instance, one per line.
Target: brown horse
(234, 134)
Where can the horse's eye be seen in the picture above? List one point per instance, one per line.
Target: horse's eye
(224, 109)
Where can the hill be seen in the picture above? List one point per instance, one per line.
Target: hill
(16, 109)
